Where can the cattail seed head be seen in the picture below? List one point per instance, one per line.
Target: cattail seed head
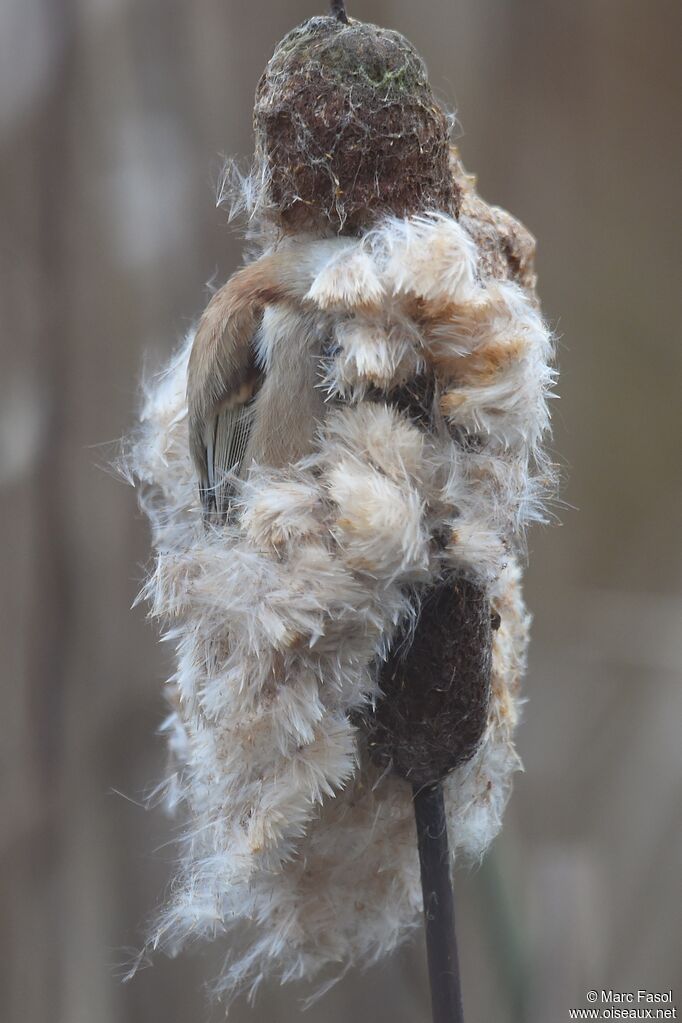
(347, 127)
(435, 689)
(365, 415)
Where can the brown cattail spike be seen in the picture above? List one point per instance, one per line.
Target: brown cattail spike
(435, 690)
(347, 128)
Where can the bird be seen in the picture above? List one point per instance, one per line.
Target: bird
(253, 381)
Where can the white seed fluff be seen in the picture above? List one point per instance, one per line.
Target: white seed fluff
(296, 847)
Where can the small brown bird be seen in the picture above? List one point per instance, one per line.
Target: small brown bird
(255, 371)
(242, 410)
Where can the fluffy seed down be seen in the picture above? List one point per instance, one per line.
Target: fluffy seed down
(295, 845)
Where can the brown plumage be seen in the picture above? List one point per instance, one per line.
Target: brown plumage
(223, 376)
(237, 412)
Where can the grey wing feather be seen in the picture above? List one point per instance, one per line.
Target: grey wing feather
(222, 381)
(225, 453)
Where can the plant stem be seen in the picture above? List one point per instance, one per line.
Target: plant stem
(439, 905)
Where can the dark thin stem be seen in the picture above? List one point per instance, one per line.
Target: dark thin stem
(439, 905)
(338, 9)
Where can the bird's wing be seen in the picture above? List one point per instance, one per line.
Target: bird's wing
(224, 377)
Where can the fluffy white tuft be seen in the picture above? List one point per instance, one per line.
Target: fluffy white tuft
(295, 844)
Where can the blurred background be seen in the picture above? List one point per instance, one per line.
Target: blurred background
(113, 118)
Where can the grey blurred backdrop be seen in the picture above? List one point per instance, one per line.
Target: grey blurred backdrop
(113, 116)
